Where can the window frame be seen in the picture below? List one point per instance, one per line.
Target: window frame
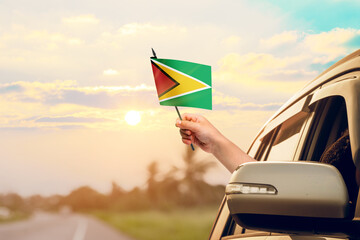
(275, 124)
(221, 222)
(349, 89)
(315, 128)
(300, 116)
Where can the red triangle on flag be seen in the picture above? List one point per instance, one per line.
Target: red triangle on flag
(163, 81)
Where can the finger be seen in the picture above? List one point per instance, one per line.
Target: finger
(183, 135)
(190, 117)
(185, 132)
(187, 117)
(188, 125)
(192, 138)
(187, 138)
(178, 123)
(186, 141)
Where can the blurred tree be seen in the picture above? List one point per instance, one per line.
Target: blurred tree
(85, 198)
(152, 183)
(13, 201)
(195, 189)
(136, 199)
(194, 170)
(36, 201)
(116, 191)
(169, 193)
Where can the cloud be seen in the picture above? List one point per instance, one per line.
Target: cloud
(40, 52)
(70, 119)
(10, 88)
(328, 46)
(66, 105)
(61, 92)
(135, 28)
(287, 37)
(225, 102)
(263, 78)
(252, 62)
(31, 39)
(81, 19)
(110, 72)
(289, 75)
(231, 42)
(281, 66)
(276, 67)
(20, 129)
(102, 98)
(248, 107)
(58, 51)
(253, 69)
(58, 104)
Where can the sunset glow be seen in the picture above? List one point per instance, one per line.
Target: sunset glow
(133, 117)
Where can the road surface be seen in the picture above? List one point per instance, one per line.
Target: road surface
(45, 226)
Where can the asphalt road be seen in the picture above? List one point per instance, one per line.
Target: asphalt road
(45, 226)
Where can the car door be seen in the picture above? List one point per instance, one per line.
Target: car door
(277, 141)
(314, 132)
(303, 135)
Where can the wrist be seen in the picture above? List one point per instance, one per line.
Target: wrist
(219, 143)
(230, 155)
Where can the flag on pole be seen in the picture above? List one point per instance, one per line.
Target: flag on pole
(180, 83)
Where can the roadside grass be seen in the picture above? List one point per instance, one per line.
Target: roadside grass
(16, 216)
(176, 224)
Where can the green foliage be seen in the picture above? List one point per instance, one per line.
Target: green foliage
(12, 201)
(176, 224)
(85, 198)
(182, 186)
(135, 200)
(15, 216)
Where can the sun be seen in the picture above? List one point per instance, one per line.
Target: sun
(132, 117)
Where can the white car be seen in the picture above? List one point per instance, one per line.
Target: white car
(304, 185)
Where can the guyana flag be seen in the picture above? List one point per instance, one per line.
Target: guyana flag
(180, 83)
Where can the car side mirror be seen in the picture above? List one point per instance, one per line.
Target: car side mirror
(287, 196)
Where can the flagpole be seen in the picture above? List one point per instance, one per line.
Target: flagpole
(177, 110)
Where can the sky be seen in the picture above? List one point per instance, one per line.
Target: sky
(70, 71)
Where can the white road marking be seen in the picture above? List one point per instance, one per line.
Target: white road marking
(80, 230)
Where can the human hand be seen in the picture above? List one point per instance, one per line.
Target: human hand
(198, 130)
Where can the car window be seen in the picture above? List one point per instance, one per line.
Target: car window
(286, 138)
(328, 129)
(282, 132)
(280, 144)
(265, 145)
(329, 122)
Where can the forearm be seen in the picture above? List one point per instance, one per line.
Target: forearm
(230, 155)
